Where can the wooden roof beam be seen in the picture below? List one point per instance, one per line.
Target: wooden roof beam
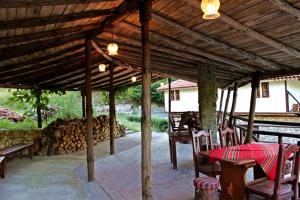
(31, 48)
(283, 5)
(133, 45)
(38, 60)
(191, 49)
(46, 34)
(252, 33)
(42, 21)
(215, 42)
(34, 3)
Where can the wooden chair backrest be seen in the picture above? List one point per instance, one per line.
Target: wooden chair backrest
(285, 152)
(172, 122)
(228, 137)
(198, 136)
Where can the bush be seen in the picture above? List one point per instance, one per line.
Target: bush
(158, 124)
(26, 124)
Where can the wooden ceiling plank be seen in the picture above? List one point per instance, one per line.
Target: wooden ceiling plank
(36, 61)
(45, 34)
(42, 21)
(210, 40)
(192, 49)
(31, 48)
(35, 3)
(252, 33)
(283, 5)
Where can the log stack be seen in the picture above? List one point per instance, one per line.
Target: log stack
(66, 136)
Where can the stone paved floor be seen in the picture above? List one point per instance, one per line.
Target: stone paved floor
(117, 177)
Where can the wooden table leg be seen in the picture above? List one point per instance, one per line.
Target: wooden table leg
(233, 179)
(31, 151)
(170, 147)
(174, 158)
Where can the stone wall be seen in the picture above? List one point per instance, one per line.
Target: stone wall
(47, 141)
(11, 137)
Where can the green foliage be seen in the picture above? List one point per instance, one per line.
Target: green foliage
(28, 123)
(69, 105)
(134, 94)
(31, 96)
(158, 124)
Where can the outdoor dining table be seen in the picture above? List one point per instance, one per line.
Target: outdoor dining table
(235, 162)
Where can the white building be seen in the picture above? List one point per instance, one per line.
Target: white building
(271, 96)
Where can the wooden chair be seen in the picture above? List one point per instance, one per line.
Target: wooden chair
(206, 168)
(283, 187)
(228, 137)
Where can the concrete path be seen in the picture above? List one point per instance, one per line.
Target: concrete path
(64, 176)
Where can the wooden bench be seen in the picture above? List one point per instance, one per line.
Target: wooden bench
(2, 166)
(19, 148)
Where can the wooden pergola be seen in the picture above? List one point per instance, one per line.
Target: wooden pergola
(60, 43)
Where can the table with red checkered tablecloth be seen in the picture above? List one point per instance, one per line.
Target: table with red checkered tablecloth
(264, 154)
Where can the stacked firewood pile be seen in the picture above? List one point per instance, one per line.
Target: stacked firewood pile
(66, 136)
(7, 114)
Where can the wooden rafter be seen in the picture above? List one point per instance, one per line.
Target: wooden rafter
(283, 5)
(41, 21)
(37, 61)
(46, 34)
(192, 49)
(33, 3)
(252, 33)
(33, 47)
(210, 40)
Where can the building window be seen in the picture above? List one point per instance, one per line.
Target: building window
(258, 92)
(175, 96)
(265, 90)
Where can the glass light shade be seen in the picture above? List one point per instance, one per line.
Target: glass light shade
(210, 9)
(112, 49)
(102, 67)
(133, 79)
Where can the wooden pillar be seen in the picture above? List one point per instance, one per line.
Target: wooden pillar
(287, 104)
(254, 86)
(234, 97)
(169, 103)
(145, 16)
(89, 111)
(112, 109)
(226, 107)
(83, 103)
(220, 109)
(38, 108)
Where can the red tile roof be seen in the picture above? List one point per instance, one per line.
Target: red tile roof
(178, 84)
(282, 78)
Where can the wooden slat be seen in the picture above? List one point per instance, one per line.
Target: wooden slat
(283, 5)
(41, 21)
(34, 3)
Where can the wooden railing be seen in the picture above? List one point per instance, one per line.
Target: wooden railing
(258, 124)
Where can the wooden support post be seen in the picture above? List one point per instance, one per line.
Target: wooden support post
(38, 108)
(226, 107)
(254, 86)
(112, 109)
(287, 104)
(83, 103)
(145, 16)
(220, 109)
(234, 97)
(169, 103)
(89, 110)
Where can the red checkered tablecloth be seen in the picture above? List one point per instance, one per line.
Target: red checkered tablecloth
(264, 154)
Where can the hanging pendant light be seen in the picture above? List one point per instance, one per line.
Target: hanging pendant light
(112, 47)
(102, 67)
(210, 9)
(133, 79)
